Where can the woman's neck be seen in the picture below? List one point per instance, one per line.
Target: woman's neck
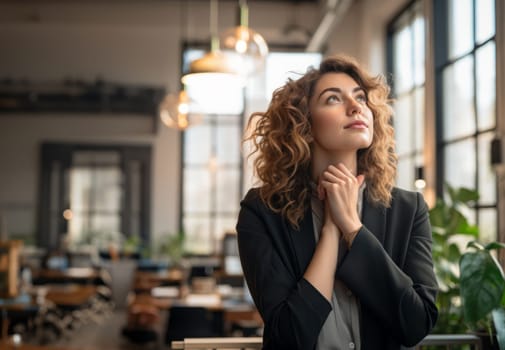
(320, 163)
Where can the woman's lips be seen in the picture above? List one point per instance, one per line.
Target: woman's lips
(356, 125)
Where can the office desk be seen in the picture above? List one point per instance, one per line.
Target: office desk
(70, 295)
(9, 345)
(147, 280)
(226, 311)
(81, 275)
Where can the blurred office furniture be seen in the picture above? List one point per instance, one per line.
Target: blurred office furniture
(121, 273)
(188, 322)
(219, 343)
(9, 268)
(142, 322)
(446, 340)
(17, 316)
(450, 341)
(231, 268)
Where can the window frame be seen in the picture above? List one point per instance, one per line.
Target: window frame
(442, 61)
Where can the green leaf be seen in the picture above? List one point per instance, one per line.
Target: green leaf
(475, 244)
(499, 325)
(453, 193)
(494, 246)
(438, 214)
(454, 253)
(482, 285)
(466, 195)
(459, 224)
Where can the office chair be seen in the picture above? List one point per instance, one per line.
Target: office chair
(188, 322)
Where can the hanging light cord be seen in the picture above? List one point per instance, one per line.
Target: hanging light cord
(244, 13)
(214, 38)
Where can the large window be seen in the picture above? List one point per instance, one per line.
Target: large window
(465, 64)
(465, 98)
(93, 194)
(213, 170)
(406, 36)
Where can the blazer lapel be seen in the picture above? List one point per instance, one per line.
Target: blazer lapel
(303, 241)
(374, 219)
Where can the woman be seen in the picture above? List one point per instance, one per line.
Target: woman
(335, 257)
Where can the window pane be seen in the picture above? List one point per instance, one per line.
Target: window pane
(224, 223)
(227, 196)
(487, 178)
(419, 118)
(105, 223)
(198, 239)
(95, 200)
(403, 121)
(405, 173)
(488, 225)
(418, 29)
(459, 118)
(196, 190)
(228, 144)
(197, 142)
(486, 86)
(460, 164)
(106, 189)
(460, 27)
(485, 20)
(402, 70)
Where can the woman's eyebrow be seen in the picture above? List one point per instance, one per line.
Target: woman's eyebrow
(333, 89)
(338, 90)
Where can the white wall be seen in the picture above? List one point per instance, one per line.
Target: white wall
(135, 42)
(362, 32)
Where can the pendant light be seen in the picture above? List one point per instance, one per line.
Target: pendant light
(245, 43)
(215, 67)
(174, 111)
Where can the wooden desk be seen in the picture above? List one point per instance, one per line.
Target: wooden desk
(65, 295)
(8, 345)
(212, 302)
(72, 295)
(225, 311)
(86, 275)
(146, 280)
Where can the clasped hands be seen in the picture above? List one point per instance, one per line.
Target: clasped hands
(338, 188)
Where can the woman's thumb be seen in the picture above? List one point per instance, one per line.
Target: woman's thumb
(360, 178)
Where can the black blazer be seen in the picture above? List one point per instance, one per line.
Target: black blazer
(389, 268)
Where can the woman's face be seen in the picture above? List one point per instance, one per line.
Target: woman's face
(341, 119)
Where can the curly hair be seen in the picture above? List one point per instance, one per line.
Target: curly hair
(282, 139)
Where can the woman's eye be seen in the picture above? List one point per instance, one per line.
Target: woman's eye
(361, 98)
(332, 99)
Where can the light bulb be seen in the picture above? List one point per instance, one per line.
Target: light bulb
(247, 44)
(174, 111)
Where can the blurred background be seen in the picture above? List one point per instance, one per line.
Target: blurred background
(104, 152)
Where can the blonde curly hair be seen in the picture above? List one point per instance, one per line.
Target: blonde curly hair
(282, 137)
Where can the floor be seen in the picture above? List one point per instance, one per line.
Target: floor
(103, 335)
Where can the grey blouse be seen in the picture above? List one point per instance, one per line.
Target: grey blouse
(342, 327)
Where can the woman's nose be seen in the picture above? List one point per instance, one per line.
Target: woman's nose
(353, 107)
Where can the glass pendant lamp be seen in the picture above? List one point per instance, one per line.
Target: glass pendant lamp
(215, 67)
(174, 111)
(245, 43)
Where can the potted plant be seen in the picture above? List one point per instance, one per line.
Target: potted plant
(172, 247)
(449, 225)
(482, 286)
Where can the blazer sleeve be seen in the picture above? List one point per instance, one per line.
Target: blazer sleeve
(402, 298)
(292, 309)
